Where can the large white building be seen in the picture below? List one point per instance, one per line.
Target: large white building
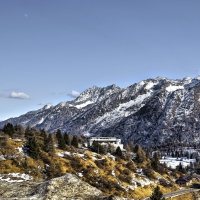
(106, 140)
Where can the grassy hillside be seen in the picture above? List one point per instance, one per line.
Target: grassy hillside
(112, 174)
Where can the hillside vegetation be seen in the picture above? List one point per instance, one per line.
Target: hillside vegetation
(42, 156)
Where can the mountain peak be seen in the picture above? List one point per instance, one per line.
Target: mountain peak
(47, 106)
(113, 86)
(89, 94)
(161, 78)
(197, 77)
(94, 87)
(152, 110)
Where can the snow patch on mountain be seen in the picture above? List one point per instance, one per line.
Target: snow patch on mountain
(120, 112)
(149, 112)
(150, 85)
(42, 119)
(173, 88)
(83, 104)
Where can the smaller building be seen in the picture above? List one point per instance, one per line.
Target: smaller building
(105, 141)
(184, 180)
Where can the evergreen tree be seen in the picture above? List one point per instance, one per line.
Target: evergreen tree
(61, 141)
(27, 131)
(50, 145)
(67, 139)
(29, 135)
(74, 141)
(44, 139)
(111, 148)
(118, 152)
(181, 169)
(177, 155)
(43, 134)
(187, 154)
(181, 153)
(155, 162)
(19, 131)
(140, 154)
(157, 194)
(9, 129)
(96, 147)
(131, 146)
(34, 148)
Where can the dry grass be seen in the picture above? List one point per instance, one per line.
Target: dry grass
(110, 176)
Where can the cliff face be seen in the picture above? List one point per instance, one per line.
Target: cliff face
(147, 113)
(67, 187)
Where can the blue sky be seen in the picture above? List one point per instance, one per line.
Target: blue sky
(50, 48)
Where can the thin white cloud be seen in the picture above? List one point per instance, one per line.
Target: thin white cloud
(43, 104)
(57, 93)
(18, 95)
(10, 89)
(26, 15)
(74, 94)
(15, 95)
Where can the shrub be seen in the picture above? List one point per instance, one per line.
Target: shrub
(148, 172)
(125, 178)
(157, 194)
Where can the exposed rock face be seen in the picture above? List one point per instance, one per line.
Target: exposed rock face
(16, 190)
(67, 187)
(149, 112)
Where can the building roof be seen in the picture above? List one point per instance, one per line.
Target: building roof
(103, 138)
(184, 178)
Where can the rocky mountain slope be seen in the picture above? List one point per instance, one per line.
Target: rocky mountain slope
(148, 112)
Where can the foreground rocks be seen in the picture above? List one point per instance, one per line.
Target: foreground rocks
(16, 190)
(67, 187)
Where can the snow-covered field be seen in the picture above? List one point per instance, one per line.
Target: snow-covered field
(173, 162)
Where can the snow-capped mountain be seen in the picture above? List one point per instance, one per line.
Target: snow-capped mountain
(149, 112)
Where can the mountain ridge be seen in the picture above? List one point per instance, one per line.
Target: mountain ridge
(147, 113)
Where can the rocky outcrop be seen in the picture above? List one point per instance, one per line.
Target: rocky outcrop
(67, 187)
(17, 190)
